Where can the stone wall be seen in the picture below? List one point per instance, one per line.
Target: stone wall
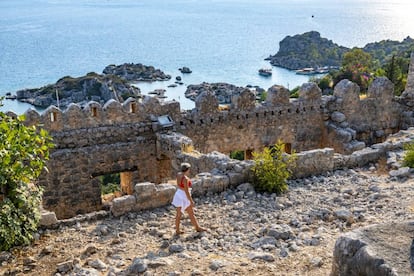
(248, 125)
(97, 141)
(146, 140)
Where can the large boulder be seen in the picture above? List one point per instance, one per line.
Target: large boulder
(380, 250)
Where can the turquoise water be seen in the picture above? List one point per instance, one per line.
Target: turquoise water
(221, 41)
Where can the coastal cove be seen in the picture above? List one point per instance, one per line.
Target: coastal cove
(221, 41)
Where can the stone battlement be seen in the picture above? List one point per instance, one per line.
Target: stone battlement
(145, 140)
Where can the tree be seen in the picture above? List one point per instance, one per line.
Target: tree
(357, 66)
(272, 168)
(23, 153)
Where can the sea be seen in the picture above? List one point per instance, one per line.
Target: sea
(219, 40)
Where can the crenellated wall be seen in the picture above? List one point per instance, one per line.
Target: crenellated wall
(146, 140)
(298, 123)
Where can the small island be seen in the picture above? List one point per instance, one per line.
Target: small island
(311, 51)
(114, 83)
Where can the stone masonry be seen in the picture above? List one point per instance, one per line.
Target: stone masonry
(146, 140)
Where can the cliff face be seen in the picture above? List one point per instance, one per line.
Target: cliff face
(312, 50)
(307, 50)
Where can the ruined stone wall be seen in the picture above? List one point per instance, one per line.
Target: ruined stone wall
(72, 185)
(353, 122)
(129, 138)
(96, 141)
(250, 126)
(342, 121)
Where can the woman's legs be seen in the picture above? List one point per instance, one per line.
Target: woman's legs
(193, 219)
(177, 221)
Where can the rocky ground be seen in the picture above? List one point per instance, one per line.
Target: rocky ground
(249, 233)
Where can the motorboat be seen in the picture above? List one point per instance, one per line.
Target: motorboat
(266, 72)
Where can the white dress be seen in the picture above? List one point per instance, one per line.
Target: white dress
(180, 199)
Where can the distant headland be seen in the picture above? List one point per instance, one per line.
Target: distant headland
(310, 50)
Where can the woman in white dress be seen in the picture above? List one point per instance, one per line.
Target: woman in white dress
(183, 201)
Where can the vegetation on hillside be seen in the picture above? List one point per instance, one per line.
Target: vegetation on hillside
(385, 58)
(361, 68)
(23, 153)
(408, 159)
(272, 168)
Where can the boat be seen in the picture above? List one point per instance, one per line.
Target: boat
(158, 92)
(9, 96)
(306, 71)
(266, 72)
(313, 71)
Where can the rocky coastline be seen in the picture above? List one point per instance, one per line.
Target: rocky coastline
(310, 50)
(114, 83)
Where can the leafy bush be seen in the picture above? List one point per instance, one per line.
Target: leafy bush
(237, 154)
(294, 93)
(110, 188)
(272, 168)
(23, 152)
(408, 160)
(110, 183)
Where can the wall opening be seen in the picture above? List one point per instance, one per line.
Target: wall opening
(110, 186)
(53, 116)
(94, 111)
(133, 108)
(288, 148)
(237, 154)
(248, 154)
(115, 184)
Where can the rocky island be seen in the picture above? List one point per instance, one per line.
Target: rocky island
(114, 83)
(223, 91)
(310, 50)
(136, 72)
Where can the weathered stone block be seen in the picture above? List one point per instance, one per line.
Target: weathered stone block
(363, 157)
(236, 179)
(122, 205)
(313, 162)
(143, 190)
(165, 194)
(358, 252)
(48, 218)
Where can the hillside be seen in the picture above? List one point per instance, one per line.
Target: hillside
(312, 50)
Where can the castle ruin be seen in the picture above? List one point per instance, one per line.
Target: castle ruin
(145, 140)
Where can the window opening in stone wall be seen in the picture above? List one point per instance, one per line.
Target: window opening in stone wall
(53, 116)
(288, 148)
(110, 186)
(114, 185)
(133, 108)
(248, 154)
(94, 112)
(237, 154)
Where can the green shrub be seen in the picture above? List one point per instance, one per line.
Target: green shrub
(272, 168)
(23, 152)
(237, 154)
(110, 183)
(110, 188)
(294, 93)
(408, 160)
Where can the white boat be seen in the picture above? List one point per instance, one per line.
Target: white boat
(306, 71)
(266, 72)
